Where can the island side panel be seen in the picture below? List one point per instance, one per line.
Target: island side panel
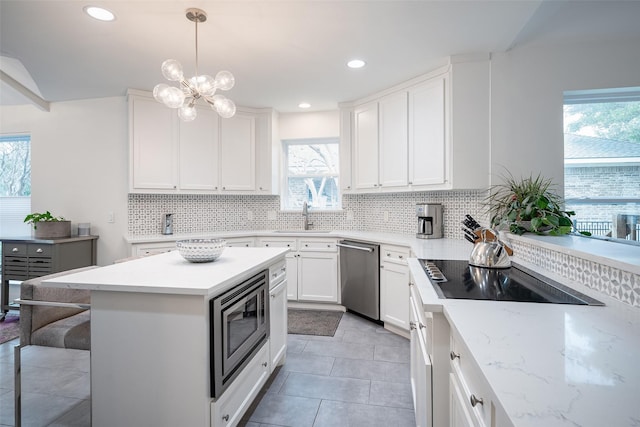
(149, 359)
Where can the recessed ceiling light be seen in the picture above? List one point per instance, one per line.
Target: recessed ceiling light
(99, 13)
(356, 63)
(304, 105)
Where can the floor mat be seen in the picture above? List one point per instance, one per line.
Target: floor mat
(313, 322)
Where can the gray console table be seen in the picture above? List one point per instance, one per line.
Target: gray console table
(26, 257)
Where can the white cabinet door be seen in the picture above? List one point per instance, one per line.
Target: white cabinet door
(264, 154)
(153, 145)
(427, 133)
(393, 141)
(394, 298)
(278, 324)
(292, 275)
(365, 140)
(458, 413)
(237, 153)
(346, 125)
(420, 368)
(199, 152)
(318, 277)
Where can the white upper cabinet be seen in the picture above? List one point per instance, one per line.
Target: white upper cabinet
(365, 146)
(209, 155)
(237, 152)
(199, 152)
(429, 133)
(153, 147)
(393, 140)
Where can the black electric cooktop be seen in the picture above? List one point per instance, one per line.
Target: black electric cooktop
(458, 280)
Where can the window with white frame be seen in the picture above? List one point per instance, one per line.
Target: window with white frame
(15, 184)
(311, 174)
(602, 161)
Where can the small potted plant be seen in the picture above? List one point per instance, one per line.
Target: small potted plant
(47, 226)
(528, 205)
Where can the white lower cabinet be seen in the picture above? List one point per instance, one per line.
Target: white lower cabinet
(421, 383)
(459, 415)
(278, 323)
(394, 286)
(228, 410)
(472, 397)
(312, 268)
(318, 273)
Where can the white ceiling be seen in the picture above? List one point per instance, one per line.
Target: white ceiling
(281, 52)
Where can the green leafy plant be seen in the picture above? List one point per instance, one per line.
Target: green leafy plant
(529, 205)
(36, 217)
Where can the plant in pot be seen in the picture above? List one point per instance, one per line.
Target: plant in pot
(528, 205)
(46, 225)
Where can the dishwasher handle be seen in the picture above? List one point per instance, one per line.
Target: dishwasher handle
(360, 248)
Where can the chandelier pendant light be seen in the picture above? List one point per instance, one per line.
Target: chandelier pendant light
(203, 87)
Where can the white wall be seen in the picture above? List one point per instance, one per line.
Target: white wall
(79, 164)
(322, 124)
(527, 97)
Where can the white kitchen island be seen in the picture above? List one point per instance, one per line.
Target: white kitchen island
(150, 345)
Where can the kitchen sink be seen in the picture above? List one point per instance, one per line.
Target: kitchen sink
(302, 231)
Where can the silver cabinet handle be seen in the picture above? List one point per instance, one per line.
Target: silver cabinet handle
(342, 245)
(412, 325)
(225, 417)
(453, 355)
(474, 400)
(400, 256)
(15, 250)
(39, 250)
(264, 364)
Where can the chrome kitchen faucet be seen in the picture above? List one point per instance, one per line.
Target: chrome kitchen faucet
(305, 215)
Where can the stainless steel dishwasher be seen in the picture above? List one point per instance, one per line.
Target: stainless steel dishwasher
(360, 277)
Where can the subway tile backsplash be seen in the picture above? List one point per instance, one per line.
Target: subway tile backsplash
(212, 213)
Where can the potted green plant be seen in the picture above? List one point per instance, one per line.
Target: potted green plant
(528, 205)
(46, 225)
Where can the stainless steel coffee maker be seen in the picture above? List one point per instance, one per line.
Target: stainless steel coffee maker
(430, 223)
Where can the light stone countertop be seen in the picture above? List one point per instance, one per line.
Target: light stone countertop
(169, 273)
(551, 365)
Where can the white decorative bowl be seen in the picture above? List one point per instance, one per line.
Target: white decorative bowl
(201, 250)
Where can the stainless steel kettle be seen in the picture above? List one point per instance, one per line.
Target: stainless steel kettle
(489, 253)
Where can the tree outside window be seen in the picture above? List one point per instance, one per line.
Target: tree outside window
(311, 169)
(15, 184)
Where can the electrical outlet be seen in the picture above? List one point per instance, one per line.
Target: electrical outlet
(271, 215)
(349, 215)
(249, 215)
(385, 216)
(111, 217)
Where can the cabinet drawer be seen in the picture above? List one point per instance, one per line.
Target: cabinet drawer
(234, 402)
(152, 249)
(395, 254)
(19, 249)
(277, 273)
(279, 243)
(240, 243)
(473, 385)
(35, 250)
(318, 245)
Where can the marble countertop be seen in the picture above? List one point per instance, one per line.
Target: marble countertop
(169, 273)
(551, 364)
(622, 256)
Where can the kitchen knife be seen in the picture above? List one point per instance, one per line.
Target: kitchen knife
(470, 235)
(469, 238)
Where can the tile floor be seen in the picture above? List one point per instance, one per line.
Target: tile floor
(359, 377)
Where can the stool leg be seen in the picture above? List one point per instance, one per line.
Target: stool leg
(17, 402)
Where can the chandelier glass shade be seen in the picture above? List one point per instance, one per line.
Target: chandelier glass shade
(203, 87)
